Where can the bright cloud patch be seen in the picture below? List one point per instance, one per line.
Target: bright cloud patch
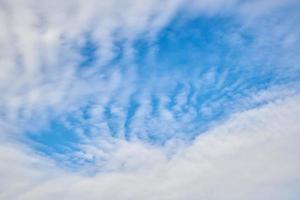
(149, 99)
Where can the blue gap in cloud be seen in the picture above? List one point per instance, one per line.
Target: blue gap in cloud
(90, 56)
(53, 140)
(132, 108)
(88, 52)
(191, 49)
(112, 122)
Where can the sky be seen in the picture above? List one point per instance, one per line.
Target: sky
(150, 99)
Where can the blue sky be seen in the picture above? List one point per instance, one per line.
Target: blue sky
(108, 91)
(193, 71)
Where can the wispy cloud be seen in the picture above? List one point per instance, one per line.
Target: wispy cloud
(198, 96)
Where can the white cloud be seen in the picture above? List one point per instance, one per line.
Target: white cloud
(253, 155)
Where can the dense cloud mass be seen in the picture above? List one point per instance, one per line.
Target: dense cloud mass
(149, 99)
